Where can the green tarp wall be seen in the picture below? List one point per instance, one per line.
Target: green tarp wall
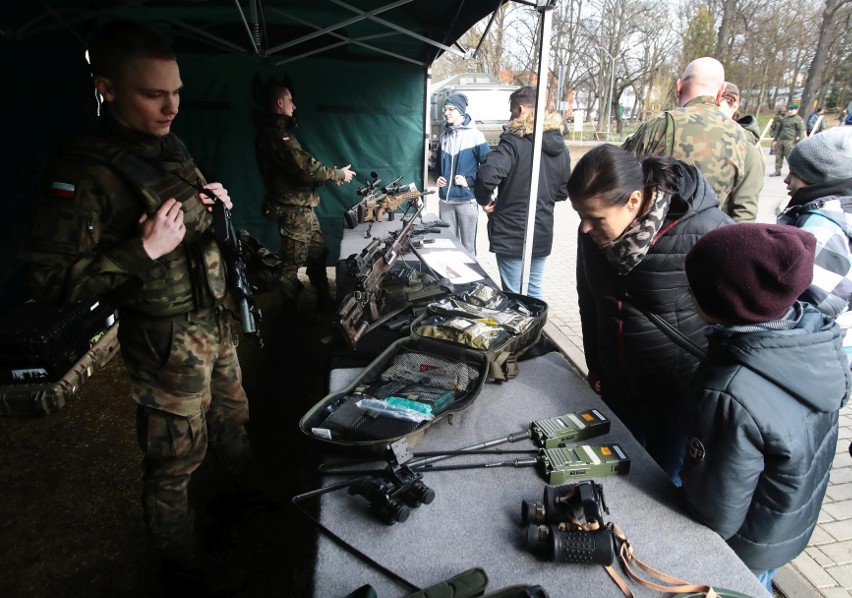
(367, 112)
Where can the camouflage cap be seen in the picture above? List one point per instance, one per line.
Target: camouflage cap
(731, 90)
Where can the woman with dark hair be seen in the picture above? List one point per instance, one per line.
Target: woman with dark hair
(639, 217)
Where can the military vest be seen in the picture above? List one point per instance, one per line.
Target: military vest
(192, 276)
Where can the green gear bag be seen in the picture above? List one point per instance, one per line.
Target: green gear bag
(472, 584)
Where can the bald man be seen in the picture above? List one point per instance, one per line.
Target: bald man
(700, 134)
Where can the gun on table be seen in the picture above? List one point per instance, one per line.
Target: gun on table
(378, 201)
(361, 308)
(229, 243)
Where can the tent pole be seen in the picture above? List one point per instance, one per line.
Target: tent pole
(544, 7)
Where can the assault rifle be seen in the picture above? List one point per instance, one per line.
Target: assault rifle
(378, 201)
(365, 307)
(232, 251)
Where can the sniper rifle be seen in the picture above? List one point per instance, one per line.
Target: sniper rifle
(378, 201)
(362, 309)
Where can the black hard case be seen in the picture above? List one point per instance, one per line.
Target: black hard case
(40, 342)
(48, 397)
(317, 414)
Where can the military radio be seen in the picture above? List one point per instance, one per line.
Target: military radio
(571, 427)
(557, 465)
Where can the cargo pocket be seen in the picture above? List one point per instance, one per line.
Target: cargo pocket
(164, 436)
(147, 343)
(295, 229)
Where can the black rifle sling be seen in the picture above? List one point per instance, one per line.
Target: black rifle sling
(133, 169)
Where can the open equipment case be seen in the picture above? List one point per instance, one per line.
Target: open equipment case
(430, 375)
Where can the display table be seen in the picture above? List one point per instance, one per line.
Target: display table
(475, 519)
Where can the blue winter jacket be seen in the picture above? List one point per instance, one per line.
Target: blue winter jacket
(462, 149)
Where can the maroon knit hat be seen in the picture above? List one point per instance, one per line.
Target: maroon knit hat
(750, 272)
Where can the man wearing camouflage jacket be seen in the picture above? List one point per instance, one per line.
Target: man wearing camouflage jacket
(292, 177)
(700, 134)
(121, 214)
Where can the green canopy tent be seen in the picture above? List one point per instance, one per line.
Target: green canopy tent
(359, 72)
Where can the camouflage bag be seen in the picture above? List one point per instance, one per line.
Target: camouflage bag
(262, 264)
(487, 311)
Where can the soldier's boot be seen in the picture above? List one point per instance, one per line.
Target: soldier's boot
(775, 174)
(292, 313)
(319, 280)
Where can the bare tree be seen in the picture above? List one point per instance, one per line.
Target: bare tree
(814, 82)
(726, 29)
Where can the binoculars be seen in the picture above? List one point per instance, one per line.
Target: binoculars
(554, 525)
(571, 502)
(391, 499)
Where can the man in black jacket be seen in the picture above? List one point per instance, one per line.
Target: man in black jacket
(508, 169)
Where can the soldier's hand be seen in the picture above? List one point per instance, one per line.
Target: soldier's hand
(219, 191)
(348, 173)
(163, 231)
(441, 182)
(490, 207)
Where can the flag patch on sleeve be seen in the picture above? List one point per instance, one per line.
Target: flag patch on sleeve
(65, 190)
(285, 139)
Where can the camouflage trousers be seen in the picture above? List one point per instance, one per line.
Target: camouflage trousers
(186, 378)
(782, 150)
(302, 244)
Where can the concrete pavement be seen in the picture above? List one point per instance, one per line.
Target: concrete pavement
(825, 568)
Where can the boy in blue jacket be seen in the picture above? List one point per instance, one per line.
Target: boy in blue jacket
(766, 397)
(461, 150)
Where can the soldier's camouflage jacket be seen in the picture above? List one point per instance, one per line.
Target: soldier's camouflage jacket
(86, 239)
(791, 128)
(291, 174)
(699, 134)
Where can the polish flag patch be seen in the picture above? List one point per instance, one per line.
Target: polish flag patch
(285, 139)
(64, 190)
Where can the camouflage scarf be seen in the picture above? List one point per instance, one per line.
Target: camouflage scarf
(630, 248)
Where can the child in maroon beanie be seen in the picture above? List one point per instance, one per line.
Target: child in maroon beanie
(765, 399)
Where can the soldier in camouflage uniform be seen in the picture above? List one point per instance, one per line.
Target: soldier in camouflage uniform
(120, 215)
(789, 132)
(699, 134)
(292, 177)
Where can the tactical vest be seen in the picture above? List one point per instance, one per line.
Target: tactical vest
(192, 276)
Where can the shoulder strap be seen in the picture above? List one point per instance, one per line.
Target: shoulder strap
(668, 584)
(673, 332)
(670, 133)
(133, 169)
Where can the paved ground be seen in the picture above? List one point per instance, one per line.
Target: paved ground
(825, 569)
